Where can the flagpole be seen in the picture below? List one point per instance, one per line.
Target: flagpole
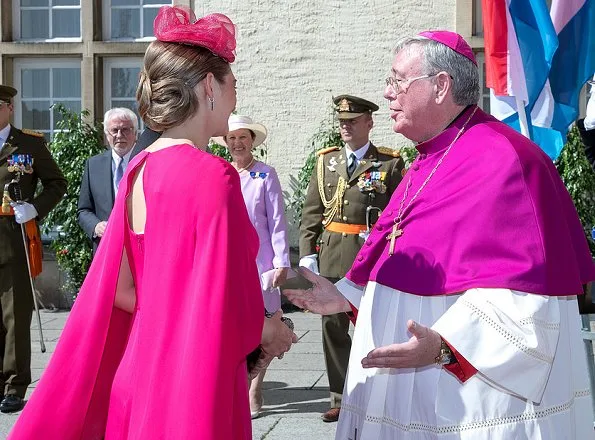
(520, 106)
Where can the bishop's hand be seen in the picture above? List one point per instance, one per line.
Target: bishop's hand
(322, 298)
(421, 350)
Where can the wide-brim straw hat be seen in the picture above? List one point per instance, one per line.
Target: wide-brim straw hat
(237, 122)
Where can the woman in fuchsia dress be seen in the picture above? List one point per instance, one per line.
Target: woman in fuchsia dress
(156, 344)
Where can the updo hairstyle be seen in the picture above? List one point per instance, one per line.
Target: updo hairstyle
(170, 72)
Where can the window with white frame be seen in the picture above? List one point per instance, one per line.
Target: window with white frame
(130, 19)
(41, 20)
(42, 83)
(120, 80)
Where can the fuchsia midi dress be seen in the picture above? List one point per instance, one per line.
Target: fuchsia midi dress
(176, 367)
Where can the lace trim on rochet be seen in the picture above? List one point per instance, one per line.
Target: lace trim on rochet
(540, 323)
(510, 337)
(469, 426)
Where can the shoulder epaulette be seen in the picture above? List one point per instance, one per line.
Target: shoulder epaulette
(389, 151)
(31, 132)
(327, 150)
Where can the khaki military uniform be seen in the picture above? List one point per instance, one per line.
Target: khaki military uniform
(15, 290)
(333, 217)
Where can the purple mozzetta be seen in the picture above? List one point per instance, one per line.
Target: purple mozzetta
(502, 197)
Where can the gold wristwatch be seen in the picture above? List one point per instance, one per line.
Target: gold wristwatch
(445, 356)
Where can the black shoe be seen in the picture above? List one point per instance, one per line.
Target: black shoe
(11, 403)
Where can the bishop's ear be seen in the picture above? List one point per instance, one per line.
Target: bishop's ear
(443, 85)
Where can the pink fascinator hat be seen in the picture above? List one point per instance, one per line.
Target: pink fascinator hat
(178, 24)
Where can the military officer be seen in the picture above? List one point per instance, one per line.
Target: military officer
(16, 300)
(348, 189)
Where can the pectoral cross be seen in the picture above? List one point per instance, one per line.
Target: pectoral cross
(395, 233)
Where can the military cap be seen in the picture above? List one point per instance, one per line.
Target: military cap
(7, 93)
(350, 107)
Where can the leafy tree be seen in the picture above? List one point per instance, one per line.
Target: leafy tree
(579, 178)
(74, 142)
(220, 150)
(408, 153)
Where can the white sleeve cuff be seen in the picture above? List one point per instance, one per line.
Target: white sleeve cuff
(351, 291)
(517, 333)
(310, 262)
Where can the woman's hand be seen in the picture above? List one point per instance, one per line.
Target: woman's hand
(280, 276)
(322, 298)
(419, 351)
(276, 336)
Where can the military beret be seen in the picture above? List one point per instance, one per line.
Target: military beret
(7, 93)
(350, 107)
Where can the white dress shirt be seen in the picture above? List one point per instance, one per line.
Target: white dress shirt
(359, 153)
(4, 136)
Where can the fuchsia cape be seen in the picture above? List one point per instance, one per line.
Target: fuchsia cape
(494, 215)
(200, 314)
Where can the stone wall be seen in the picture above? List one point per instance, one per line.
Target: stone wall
(292, 58)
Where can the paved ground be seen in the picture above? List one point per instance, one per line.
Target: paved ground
(296, 387)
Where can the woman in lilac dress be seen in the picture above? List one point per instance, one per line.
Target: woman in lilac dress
(264, 201)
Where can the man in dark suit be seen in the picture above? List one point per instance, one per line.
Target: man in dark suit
(103, 173)
(348, 188)
(16, 299)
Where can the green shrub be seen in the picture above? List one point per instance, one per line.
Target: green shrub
(579, 178)
(408, 154)
(220, 150)
(72, 145)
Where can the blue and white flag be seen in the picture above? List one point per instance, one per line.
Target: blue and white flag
(551, 56)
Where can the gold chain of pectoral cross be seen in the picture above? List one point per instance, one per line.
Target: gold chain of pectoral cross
(396, 230)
